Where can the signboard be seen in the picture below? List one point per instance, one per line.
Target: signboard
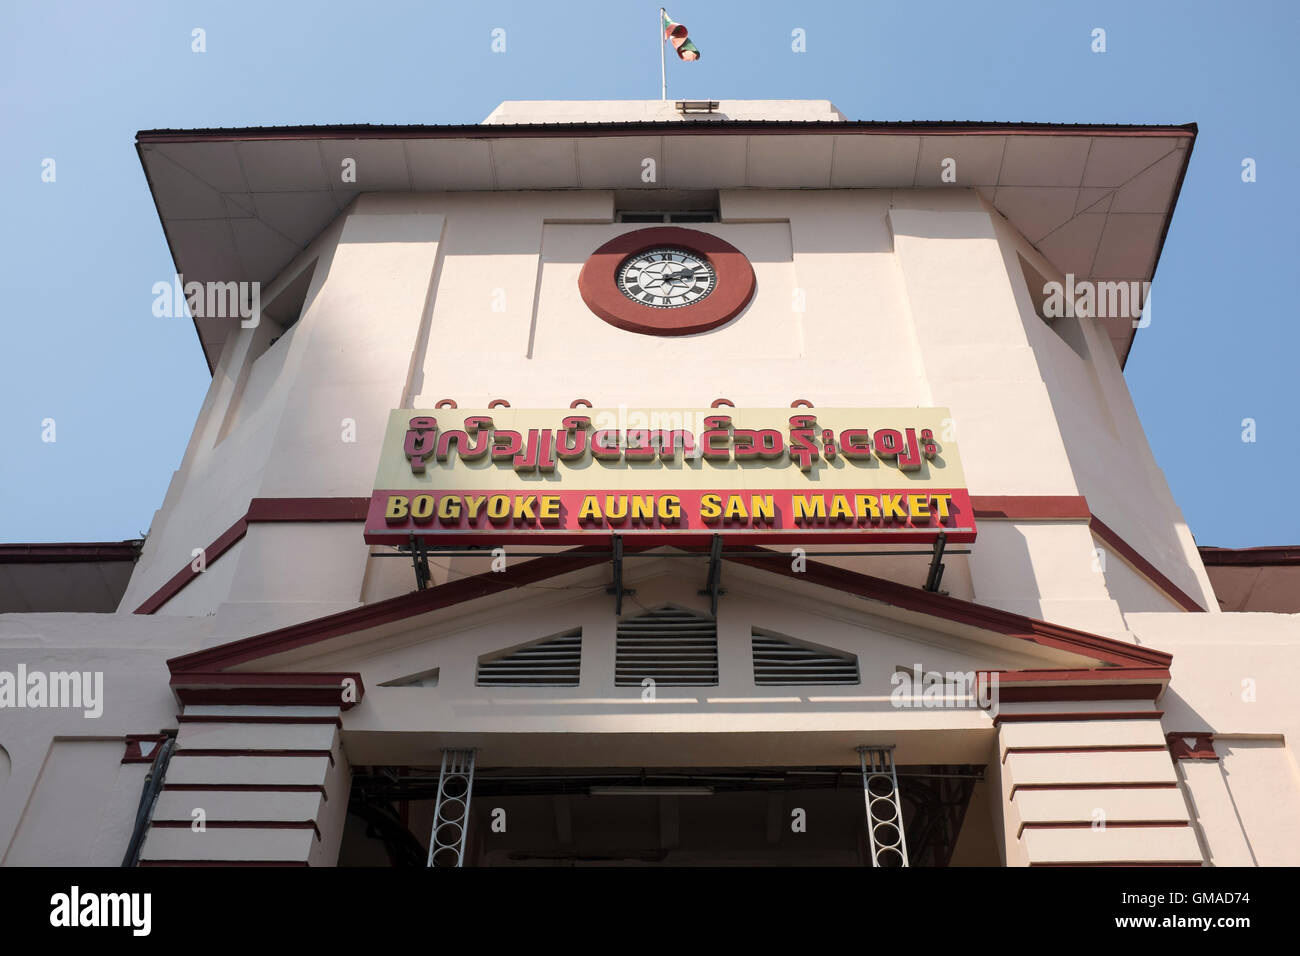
(763, 476)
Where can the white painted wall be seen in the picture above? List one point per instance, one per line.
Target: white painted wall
(865, 298)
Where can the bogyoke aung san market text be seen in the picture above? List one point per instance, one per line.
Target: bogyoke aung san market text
(840, 474)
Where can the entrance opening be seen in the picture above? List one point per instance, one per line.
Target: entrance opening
(755, 816)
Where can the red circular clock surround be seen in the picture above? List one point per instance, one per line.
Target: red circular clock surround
(598, 283)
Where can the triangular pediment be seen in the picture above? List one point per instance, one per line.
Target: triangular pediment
(924, 662)
(838, 618)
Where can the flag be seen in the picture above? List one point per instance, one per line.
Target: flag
(676, 34)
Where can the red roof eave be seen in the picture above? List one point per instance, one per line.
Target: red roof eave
(1108, 651)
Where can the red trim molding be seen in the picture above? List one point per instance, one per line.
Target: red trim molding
(985, 507)
(1126, 672)
(176, 583)
(243, 825)
(1191, 746)
(212, 660)
(259, 509)
(1122, 661)
(227, 752)
(1031, 507)
(307, 509)
(1099, 748)
(1110, 824)
(1049, 718)
(195, 686)
(135, 753)
(1126, 683)
(1075, 508)
(1104, 649)
(1088, 824)
(1130, 673)
(254, 719)
(1142, 565)
(1079, 691)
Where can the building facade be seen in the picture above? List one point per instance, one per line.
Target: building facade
(1006, 651)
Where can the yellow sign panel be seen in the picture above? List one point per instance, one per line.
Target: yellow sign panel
(562, 475)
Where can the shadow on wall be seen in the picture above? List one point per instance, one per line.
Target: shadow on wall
(1180, 714)
(1004, 573)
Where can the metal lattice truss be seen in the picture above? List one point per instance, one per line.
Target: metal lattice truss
(884, 810)
(451, 812)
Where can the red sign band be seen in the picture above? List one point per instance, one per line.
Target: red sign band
(904, 515)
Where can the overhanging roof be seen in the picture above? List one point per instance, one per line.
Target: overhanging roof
(1255, 579)
(73, 577)
(240, 204)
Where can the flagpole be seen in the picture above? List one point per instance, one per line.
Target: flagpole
(663, 71)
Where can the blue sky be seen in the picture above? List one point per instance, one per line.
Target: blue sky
(77, 80)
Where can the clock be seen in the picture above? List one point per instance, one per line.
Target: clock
(666, 280)
(666, 277)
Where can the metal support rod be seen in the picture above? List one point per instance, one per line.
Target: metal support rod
(153, 784)
(713, 586)
(420, 559)
(451, 812)
(663, 70)
(617, 589)
(884, 810)
(936, 563)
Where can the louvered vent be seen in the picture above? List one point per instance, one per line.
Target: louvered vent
(552, 662)
(673, 646)
(779, 660)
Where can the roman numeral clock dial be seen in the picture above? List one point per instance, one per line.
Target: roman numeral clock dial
(666, 278)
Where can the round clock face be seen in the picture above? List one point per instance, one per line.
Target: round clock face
(666, 278)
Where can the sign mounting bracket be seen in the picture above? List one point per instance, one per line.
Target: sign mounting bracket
(935, 576)
(714, 586)
(420, 559)
(616, 543)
